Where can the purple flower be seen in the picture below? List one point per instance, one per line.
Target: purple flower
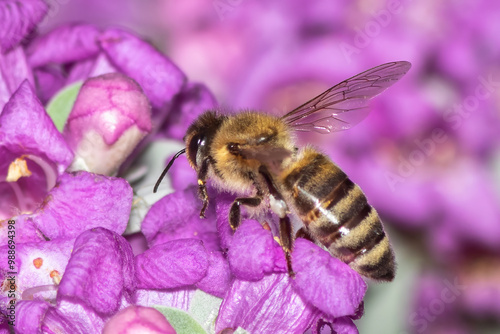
(324, 287)
(85, 280)
(36, 154)
(77, 202)
(84, 49)
(181, 173)
(267, 256)
(78, 284)
(33, 153)
(78, 51)
(183, 246)
(74, 269)
(99, 279)
(75, 52)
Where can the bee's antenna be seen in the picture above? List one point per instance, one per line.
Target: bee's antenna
(167, 168)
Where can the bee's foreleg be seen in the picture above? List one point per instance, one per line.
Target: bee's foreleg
(202, 188)
(235, 212)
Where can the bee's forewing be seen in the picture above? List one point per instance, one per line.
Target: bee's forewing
(345, 104)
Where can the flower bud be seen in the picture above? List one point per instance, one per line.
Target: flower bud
(110, 117)
(137, 320)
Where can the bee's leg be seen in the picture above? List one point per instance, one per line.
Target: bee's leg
(202, 188)
(286, 235)
(235, 212)
(287, 242)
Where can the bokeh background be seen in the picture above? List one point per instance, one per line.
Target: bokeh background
(428, 155)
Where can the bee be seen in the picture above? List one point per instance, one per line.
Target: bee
(254, 153)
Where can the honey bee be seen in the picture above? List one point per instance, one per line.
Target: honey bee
(254, 153)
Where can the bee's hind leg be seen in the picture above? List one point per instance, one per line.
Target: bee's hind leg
(287, 242)
(286, 236)
(279, 206)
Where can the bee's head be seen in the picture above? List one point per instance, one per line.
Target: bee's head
(199, 137)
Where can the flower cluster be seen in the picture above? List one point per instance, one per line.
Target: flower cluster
(249, 269)
(77, 105)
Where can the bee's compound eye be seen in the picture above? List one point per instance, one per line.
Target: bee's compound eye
(193, 147)
(233, 148)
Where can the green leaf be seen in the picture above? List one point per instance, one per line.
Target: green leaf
(61, 104)
(204, 308)
(182, 322)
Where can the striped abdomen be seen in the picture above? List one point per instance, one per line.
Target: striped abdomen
(336, 213)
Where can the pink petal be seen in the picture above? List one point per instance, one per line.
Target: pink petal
(68, 43)
(72, 317)
(82, 201)
(174, 264)
(18, 19)
(218, 278)
(49, 80)
(100, 271)
(156, 74)
(28, 129)
(14, 70)
(138, 319)
(192, 101)
(29, 314)
(267, 306)
(254, 253)
(177, 216)
(325, 281)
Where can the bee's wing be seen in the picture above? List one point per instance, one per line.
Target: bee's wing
(345, 104)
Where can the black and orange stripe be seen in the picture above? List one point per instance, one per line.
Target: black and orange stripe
(336, 213)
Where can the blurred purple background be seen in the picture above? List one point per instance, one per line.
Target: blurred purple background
(428, 156)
